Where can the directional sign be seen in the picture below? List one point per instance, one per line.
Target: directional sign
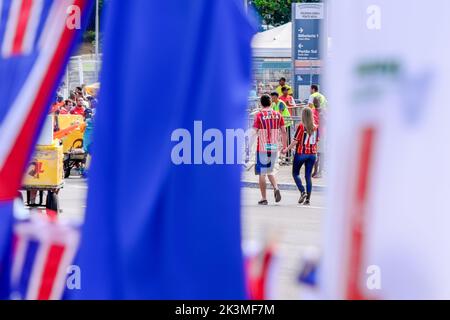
(307, 18)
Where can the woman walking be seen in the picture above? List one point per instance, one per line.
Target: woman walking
(305, 141)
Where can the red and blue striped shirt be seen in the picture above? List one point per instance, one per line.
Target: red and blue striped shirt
(306, 143)
(268, 123)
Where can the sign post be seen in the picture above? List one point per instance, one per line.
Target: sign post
(306, 55)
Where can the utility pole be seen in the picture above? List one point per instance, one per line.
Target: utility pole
(97, 18)
(97, 36)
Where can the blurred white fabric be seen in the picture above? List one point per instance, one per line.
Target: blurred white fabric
(389, 73)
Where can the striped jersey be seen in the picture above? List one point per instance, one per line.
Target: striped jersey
(306, 144)
(268, 123)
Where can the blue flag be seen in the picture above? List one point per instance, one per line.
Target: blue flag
(6, 238)
(156, 229)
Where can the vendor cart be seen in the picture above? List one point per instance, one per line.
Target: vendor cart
(74, 158)
(44, 177)
(71, 135)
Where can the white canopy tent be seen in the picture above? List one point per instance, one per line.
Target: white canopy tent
(273, 43)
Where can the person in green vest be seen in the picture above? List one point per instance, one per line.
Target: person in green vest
(316, 94)
(280, 106)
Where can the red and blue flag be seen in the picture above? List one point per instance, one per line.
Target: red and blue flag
(43, 251)
(36, 39)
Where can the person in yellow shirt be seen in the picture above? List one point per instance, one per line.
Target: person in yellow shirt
(282, 83)
(316, 94)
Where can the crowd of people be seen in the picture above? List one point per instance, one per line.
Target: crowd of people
(78, 103)
(273, 125)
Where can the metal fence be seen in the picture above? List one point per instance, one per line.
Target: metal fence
(84, 69)
(268, 71)
(253, 105)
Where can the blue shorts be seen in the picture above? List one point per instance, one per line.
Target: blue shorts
(265, 162)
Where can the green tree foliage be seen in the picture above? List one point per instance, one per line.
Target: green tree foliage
(275, 12)
(89, 35)
(91, 23)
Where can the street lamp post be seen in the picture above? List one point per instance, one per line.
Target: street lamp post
(97, 35)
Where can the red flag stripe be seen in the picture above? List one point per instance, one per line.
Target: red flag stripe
(358, 214)
(50, 271)
(22, 23)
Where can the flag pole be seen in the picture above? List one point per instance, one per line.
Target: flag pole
(97, 34)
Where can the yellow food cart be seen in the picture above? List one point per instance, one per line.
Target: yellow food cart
(71, 134)
(45, 173)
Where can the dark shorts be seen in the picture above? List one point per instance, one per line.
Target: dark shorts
(265, 162)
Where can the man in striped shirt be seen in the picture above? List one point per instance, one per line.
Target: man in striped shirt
(269, 125)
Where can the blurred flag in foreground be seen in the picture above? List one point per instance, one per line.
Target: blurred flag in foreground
(387, 233)
(43, 253)
(154, 229)
(36, 37)
(261, 265)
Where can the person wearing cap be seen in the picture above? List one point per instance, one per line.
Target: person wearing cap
(282, 83)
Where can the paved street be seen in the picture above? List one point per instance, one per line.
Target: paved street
(73, 199)
(295, 227)
(284, 178)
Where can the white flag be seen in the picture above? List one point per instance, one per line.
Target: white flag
(387, 233)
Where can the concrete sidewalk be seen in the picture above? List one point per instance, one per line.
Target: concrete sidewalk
(284, 179)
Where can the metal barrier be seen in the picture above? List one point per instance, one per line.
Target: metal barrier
(84, 69)
(253, 106)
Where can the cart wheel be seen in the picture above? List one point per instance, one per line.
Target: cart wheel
(52, 202)
(66, 168)
(41, 198)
